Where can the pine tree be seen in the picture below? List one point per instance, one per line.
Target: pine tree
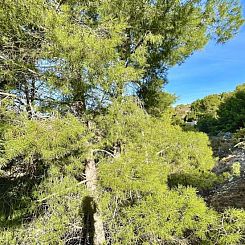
(85, 164)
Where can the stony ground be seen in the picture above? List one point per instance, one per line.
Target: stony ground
(232, 192)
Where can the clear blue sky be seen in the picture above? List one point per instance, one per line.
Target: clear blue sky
(215, 69)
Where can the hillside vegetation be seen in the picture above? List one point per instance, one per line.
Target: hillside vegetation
(89, 150)
(217, 112)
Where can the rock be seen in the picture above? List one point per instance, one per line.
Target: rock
(232, 192)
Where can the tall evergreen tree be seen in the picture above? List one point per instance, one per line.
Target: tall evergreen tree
(92, 49)
(119, 176)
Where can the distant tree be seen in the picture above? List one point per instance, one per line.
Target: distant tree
(209, 105)
(232, 111)
(219, 112)
(205, 112)
(207, 124)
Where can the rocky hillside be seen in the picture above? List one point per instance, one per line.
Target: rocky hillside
(232, 192)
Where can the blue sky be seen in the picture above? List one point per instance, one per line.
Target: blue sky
(215, 69)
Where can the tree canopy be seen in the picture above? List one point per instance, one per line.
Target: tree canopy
(88, 151)
(87, 52)
(219, 112)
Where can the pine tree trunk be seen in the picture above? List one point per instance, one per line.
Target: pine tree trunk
(91, 178)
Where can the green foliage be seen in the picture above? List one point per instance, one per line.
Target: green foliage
(126, 122)
(156, 102)
(47, 139)
(205, 112)
(55, 215)
(172, 217)
(207, 106)
(231, 112)
(239, 136)
(146, 160)
(219, 112)
(89, 51)
(236, 169)
(81, 57)
(42, 180)
(21, 38)
(230, 228)
(141, 164)
(207, 124)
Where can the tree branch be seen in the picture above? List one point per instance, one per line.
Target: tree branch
(107, 152)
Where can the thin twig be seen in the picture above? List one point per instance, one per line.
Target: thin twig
(59, 193)
(8, 94)
(109, 153)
